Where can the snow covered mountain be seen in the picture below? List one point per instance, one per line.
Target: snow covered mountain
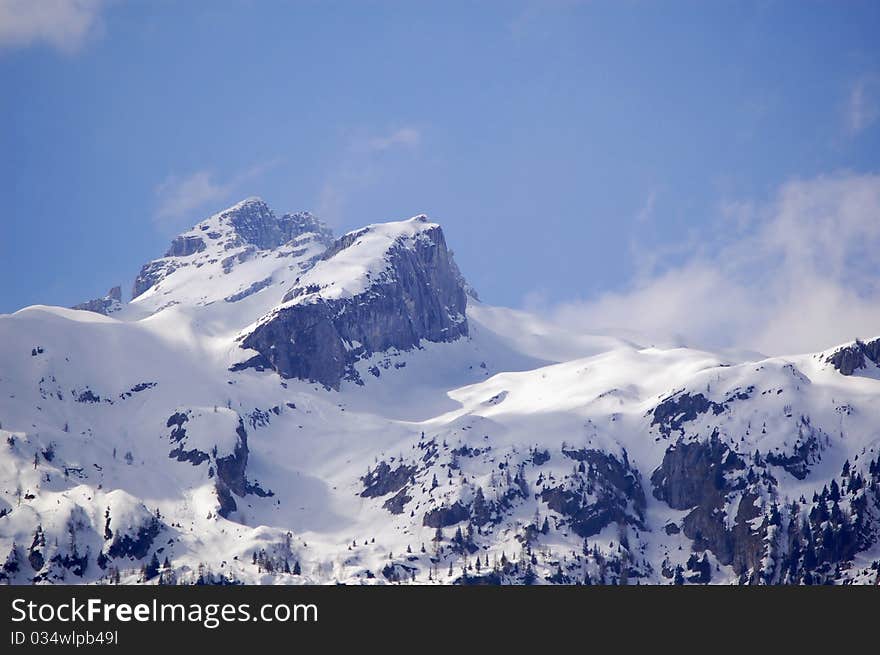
(276, 406)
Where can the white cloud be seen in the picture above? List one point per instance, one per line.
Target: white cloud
(63, 24)
(646, 212)
(797, 274)
(407, 137)
(863, 107)
(179, 197)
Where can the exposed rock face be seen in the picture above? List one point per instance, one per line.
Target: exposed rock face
(251, 290)
(150, 275)
(695, 476)
(178, 435)
(230, 468)
(419, 296)
(136, 545)
(805, 454)
(231, 475)
(692, 472)
(383, 480)
(107, 305)
(184, 246)
(855, 356)
(246, 228)
(442, 517)
(671, 414)
(255, 223)
(300, 223)
(606, 491)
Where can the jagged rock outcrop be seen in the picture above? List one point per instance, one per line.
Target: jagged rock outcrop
(674, 411)
(417, 296)
(231, 475)
(107, 305)
(233, 235)
(150, 275)
(299, 223)
(855, 356)
(698, 476)
(255, 223)
(606, 491)
(384, 480)
(135, 544)
(259, 285)
(228, 466)
(186, 245)
(442, 517)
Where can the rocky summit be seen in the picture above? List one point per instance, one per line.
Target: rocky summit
(277, 405)
(400, 287)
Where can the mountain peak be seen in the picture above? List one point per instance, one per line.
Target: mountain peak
(385, 286)
(233, 236)
(361, 257)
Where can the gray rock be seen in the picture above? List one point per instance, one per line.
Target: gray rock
(383, 480)
(251, 290)
(422, 298)
(106, 305)
(299, 223)
(231, 474)
(855, 356)
(673, 412)
(253, 224)
(231, 471)
(151, 274)
(442, 517)
(694, 476)
(617, 493)
(183, 246)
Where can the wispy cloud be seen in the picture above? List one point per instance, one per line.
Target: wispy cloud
(863, 106)
(795, 274)
(178, 197)
(63, 24)
(646, 212)
(360, 167)
(406, 137)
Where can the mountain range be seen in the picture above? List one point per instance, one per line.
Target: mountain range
(275, 405)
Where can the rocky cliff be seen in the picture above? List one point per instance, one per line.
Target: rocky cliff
(405, 288)
(110, 303)
(232, 236)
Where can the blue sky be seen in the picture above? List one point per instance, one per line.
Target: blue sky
(577, 153)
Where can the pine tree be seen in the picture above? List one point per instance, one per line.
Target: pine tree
(108, 533)
(152, 569)
(834, 492)
(678, 578)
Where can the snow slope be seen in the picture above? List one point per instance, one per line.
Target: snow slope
(524, 446)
